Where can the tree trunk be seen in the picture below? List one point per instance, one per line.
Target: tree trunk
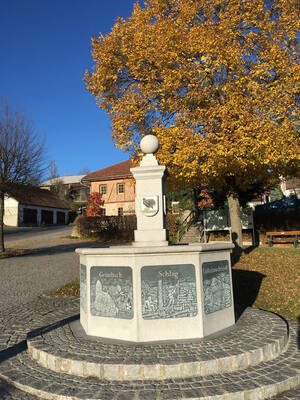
(2, 249)
(236, 224)
(195, 205)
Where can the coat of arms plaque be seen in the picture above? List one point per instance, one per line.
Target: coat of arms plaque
(149, 205)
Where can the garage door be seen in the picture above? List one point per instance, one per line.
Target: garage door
(29, 216)
(47, 217)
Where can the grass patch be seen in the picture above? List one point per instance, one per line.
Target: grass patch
(95, 238)
(76, 238)
(16, 252)
(269, 278)
(70, 289)
(266, 278)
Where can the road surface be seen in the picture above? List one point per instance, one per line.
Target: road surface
(15, 234)
(54, 263)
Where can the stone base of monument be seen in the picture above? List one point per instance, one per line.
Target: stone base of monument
(85, 355)
(143, 294)
(257, 358)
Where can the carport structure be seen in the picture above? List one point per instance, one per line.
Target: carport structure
(28, 205)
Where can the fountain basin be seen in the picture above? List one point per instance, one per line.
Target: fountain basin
(156, 293)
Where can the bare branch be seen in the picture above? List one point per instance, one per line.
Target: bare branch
(21, 155)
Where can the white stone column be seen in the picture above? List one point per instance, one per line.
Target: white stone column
(150, 197)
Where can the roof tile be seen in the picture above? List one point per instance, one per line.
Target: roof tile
(114, 171)
(30, 195)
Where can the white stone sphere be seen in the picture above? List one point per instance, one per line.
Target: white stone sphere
(149, 144)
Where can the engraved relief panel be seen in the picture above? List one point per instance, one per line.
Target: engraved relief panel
(111, 292)
(169, 291)
(83, 300)
(216, 286)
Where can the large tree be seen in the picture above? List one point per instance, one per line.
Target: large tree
(21, 156)
(216, 81)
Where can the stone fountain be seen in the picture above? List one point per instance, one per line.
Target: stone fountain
(148, 296)
(152, 291)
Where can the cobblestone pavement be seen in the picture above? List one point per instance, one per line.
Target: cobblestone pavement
(16, 366)
(246, 344)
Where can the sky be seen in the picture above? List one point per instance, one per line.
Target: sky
(45, 48)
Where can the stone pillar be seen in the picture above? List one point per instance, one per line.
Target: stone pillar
(150, 202)
(55, 217)
(39, 216)
(20, 215)
(66, 217)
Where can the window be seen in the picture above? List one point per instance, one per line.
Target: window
(120, 187)
(102, 212)
(102, 189)
(175, 207)
(120, 212)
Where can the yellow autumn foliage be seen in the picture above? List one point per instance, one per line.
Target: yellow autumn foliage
(216, 81)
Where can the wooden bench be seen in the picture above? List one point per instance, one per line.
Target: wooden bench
(283, 234)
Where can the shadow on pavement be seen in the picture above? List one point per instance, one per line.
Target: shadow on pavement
(67, 247)
(17, 348)
(5, 389)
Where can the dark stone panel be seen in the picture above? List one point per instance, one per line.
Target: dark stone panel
(111, 292)
(216, 286)
(169, 291)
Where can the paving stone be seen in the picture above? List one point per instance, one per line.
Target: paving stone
(294, 395)
(127, 395)
(169, 353)
(40, 320)
(147, 395)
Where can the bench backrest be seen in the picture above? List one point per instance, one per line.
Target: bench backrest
(283, 233)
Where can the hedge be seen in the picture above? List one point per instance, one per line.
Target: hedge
(115, 227)
(107, 227)
(171, 226)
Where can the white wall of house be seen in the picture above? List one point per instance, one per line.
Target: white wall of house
(258, 202)
(10, 211)
(14, 212)
(290, 187)
(291, 192)
(112, 208)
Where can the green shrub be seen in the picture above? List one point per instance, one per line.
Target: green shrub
(107, 227)
(115, 227)
(172, 226)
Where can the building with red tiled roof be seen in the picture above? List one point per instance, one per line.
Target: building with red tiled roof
(28, 205)
(116, 185)
(291, 186)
